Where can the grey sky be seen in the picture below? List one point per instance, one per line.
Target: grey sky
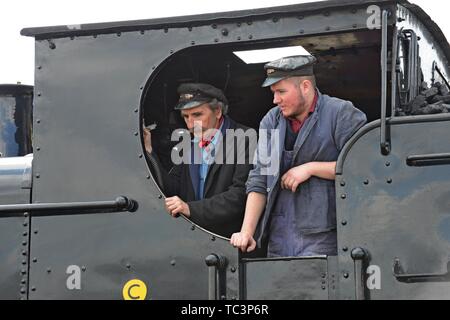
(17, 52)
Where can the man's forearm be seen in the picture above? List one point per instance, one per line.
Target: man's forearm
(324, 170)
(256, 202)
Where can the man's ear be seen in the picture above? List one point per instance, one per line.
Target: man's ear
(219, 113)
(307, 85)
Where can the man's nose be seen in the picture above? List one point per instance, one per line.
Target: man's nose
(189, 122)
(276, 98)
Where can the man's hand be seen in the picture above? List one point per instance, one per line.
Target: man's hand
(243, 241)
(295, 176)
(147, 140)
(175, 206)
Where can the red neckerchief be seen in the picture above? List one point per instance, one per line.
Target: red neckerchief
(296, 125)
(206, 142)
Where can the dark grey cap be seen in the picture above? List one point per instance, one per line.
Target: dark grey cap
(195, 94)
(295, 66)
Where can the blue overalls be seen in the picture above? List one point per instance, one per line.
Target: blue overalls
(284, 237)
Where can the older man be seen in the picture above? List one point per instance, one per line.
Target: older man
(295, 206)
(210, 193)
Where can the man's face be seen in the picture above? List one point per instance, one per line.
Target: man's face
(289, 98)
(202, 118)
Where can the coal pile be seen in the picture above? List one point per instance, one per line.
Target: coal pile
(430, 101)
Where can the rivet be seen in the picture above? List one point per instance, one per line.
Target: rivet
(225, 32)
(389, 181)
(275, 20)
(49, 270)
(353, 11)
(249, 23)
(35, 232)
(38, 121)
(24, 262)
(238, 24)
(233, 269)
(160, 196)
(38, 149)
(23, 271)
(366, 182)
(166, 30)
(190, 28)
(24, 253)
(214, 26)
(192, 42)
(142, 31)
(250, 37)
(239, 38)
(25, 224)
(25, 234)
(22, 290)
(355, 26)
(33, 288)
(153, 68)
(83, 268)
(128, 266)
(147, 176)
(324, 275)
(388, 164)
(39, 94)
(344, 222)
(136, 134)
(23, 281)
(346, 275)
(343, 196)
(137, 110)
(323, 287)
(25, 214)
(34, 260)
(327, 28)
(223, 297)
(72, 37)
(216, 40)
(140, 155)
(171, 51)
(24, 243)
(38, 175)
(233, 298)
(192, 228)
(300, 17)
(302, 31)
(39, 67)
(345, 249)
(119, 34)
(172, 262)
(213, 238)
(342, 183)
(141, 87)
(94, 36)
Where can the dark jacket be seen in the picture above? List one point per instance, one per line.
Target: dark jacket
(322, 137)
(221, 210)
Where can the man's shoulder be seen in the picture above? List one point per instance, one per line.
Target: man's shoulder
(236, 125)
(335, 102)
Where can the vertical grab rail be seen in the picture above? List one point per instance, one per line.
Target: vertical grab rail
(384, 143)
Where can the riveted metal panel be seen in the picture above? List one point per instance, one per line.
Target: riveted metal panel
(395, 211)
(287, 278)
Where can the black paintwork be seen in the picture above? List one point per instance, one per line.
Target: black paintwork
(96, 83)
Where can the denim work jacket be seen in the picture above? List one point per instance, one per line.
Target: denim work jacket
(321, 138)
